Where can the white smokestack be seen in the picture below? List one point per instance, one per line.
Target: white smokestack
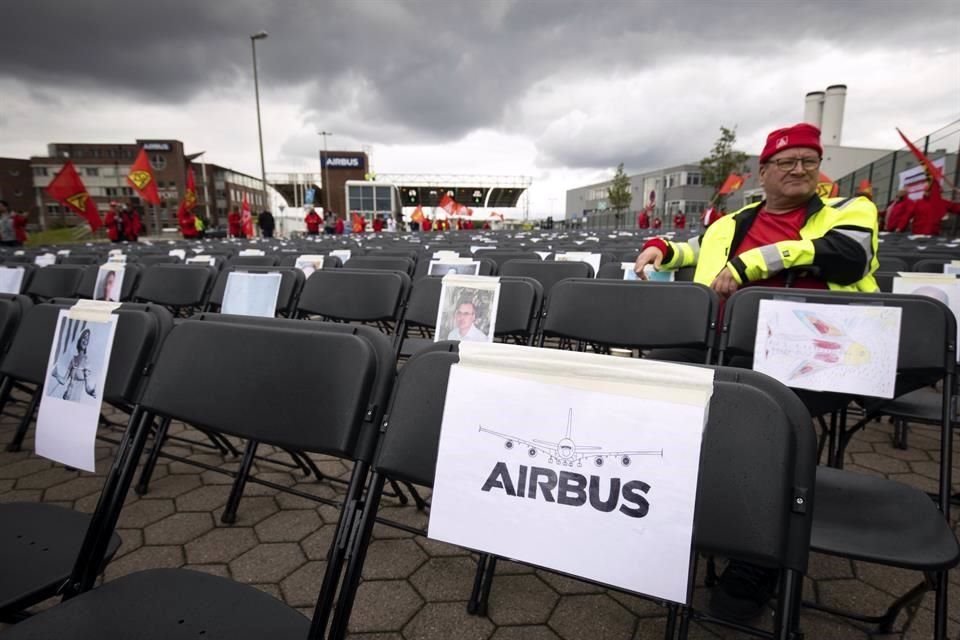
(834, 101)
(813, 108)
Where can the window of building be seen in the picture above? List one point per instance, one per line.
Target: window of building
(673, 180)
(40, 171)
(158, 161)
(111, 192)
(91, 172)
(128, 191)
(53, 209)
(383, 199)
(694, 179)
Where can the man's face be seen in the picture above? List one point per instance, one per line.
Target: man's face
(780, 180)
(465, 316)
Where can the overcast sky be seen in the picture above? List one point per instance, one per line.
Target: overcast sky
(559, 90)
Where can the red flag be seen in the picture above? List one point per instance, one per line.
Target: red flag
(417, 215)
(189, 197)
(141, 178)
(865, 187)
(827, 188)
(932, 170)
(246, 219)
(67, 189)
(448, 204)
(733, 182)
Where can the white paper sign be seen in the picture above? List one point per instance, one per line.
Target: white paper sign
(45, 260)
(251, 294)
(73, 390)
(207, 260)
(825, 347)
(179, 253)
(951, 269)
(468, 308)
(308, 263)
(117, 258)
(593, 259)
(462, 266)
(943, 287)
(252, 252)
(11, 279)
(571, 476)
(442, 255)
(343, 254)
(109, 282)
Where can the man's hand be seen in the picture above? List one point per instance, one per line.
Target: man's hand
(724, 284)
(650, 255)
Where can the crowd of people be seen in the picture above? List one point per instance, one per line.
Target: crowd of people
(13, 226)
(123, 222)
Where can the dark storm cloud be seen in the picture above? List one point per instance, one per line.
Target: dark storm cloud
(421, 70)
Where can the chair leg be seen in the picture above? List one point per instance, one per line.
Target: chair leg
(941, 606)
(484, 601)
(670, 630)
(417, 498)
(159, 436)
(229, 515)
(401, 496)
(17, 443)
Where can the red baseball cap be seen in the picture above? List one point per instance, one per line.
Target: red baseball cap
(799, 135)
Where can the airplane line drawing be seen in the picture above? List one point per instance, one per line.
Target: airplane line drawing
(566, 452)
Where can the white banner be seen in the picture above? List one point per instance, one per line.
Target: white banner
(579, 466)
(829, 347)
(915, 180)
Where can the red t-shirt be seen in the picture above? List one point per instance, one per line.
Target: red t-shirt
(769, 228)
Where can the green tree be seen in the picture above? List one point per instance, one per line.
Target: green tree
(619, 193)
(723, 159)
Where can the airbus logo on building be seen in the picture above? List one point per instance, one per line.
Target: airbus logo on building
(344, 163)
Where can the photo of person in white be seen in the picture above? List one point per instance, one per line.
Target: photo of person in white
(463, 327)
(72, 377)
(107, 286)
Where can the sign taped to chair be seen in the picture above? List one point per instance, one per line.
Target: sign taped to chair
(944, 287)
(593, 259)
(308, 263)
(343, 254)
(468, 308)
(251, 294)
(109, 282)
(74, 384)
(11, 279)
(45, 260)
(829, 347)
(462, 266)
(586, 464)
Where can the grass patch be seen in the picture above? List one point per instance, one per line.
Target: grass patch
(64, 236)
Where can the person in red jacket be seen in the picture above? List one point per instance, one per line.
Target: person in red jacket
(679, 221)
(643, 220)
(113, 223)
(338, 227)
(657, 222)
(426, 225)
(312, 221)
(20, 227)
(929, 211)
(234, 223)
(378, 223)
(899, 212)
(131, 219)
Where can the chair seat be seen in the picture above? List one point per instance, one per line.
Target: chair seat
(413, 346)
(869, 518)
(922, 405)
(167, 604)
(39, 544)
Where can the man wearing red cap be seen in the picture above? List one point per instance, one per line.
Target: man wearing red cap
(792, 238)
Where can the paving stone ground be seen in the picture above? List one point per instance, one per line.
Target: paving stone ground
(415, 588)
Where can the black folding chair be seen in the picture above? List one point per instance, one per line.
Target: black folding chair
(380, 262)
(607, 313)
(182, 288)
(355, 295)
(763, 515)
(55, 281)
(869, 518)
(267, 260)
(44, 541)
(28, 271)
(291, 283)
(502, 256)
(131, 278)
(224, 394)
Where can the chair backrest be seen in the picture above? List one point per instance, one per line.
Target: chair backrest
(237, 391)
(927, 265)
(501, 256)
(927, 326)
(291, 283)
(385, 366)
(546, 273)
(28, 271)
(518, 310)
(151, 259)
(610, 271)
(424, 302)
(11, 314)
(56, 281)
(893, 263)
(268, 260)
(131, 278)
(176, 285)
(758, 456)
(81, 258)
(388, 263)
(627, 314)
(355, 295)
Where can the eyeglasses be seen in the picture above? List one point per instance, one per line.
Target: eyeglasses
(464, 313)
(787, 164)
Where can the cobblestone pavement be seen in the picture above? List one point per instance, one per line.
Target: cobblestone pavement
(414, 588)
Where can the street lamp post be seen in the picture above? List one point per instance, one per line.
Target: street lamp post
(260, 35)
(323, 175)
